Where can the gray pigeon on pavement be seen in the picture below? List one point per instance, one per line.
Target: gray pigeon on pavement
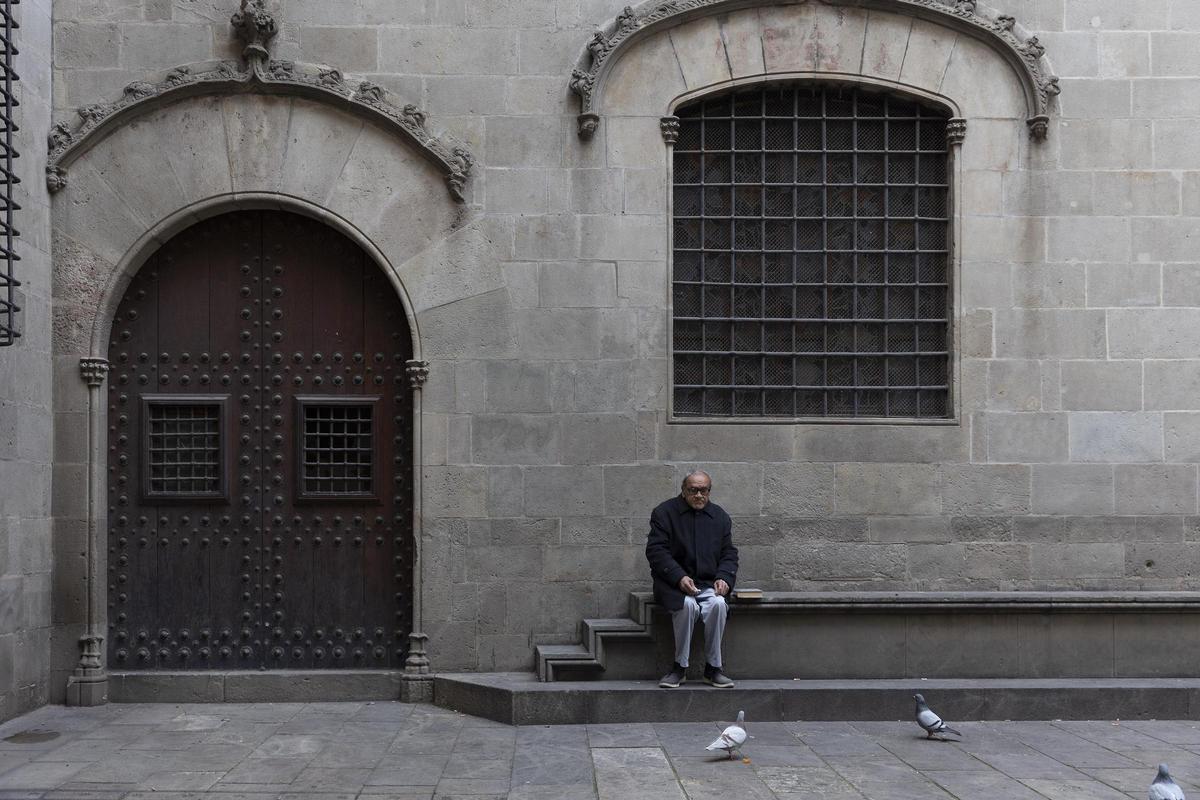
(931, 722)
(1165, 787)
(732, 738)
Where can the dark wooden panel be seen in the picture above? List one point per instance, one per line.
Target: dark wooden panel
(261, 307)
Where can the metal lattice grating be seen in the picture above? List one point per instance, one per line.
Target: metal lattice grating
(811, 238)
(184, 448)
(338, 450)
(9, 179)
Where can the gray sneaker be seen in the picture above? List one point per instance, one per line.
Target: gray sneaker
(673, 678)
(714, 677)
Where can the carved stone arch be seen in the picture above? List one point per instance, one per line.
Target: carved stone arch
(130, 193)
(259, 74)
(934, 99)
(614, 42)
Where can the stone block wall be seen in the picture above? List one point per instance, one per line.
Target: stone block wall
(26, 430)
(1073, 459)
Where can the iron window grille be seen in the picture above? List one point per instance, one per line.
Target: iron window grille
(337, 448)
(8, 231)
(811, 256)
(183, 441)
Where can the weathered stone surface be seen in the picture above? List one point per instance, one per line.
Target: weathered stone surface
(1026, 437)
(564, 491)
(598, 438)
(1076, 561)
(1115, 437)
(1155, 488)
(1181, 436)
(1050, 334)
(515, 439)
(970, 564)
(985, 489)
(1153, 333)
(1072, 489)
(1171, 385)
(1014, 385)
(797, 490)
(834, 560)
(909, 530)
(887, 489)
(1102, 385)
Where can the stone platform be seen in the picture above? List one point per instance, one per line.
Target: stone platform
(886, 635)
(521, 699)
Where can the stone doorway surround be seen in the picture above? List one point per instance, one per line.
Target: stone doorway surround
(293, 145)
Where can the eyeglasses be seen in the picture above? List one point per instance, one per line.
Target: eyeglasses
(697, 489)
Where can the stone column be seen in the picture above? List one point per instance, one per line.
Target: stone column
(416, 685)
(88, 685)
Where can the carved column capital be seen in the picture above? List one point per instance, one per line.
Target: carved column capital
(418, 372)
(956, 131)
(93, 370)
(670, 129)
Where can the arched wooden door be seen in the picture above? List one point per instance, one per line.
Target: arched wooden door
(260, 441)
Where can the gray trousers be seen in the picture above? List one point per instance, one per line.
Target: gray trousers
(712, 609)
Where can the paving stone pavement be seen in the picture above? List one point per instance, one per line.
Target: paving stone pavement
(396, 751)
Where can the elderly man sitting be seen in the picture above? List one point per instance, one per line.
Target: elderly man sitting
(693, 563)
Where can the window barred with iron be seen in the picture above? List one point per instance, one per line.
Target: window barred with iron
(811, 267)
(336, 447)
(8, 231)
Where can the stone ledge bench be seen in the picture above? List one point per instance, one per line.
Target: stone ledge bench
(892, 635)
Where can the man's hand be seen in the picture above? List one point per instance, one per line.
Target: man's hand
(721, 588)
(688, 586)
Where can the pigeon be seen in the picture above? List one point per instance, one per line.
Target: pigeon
(732, 738)
(1164, 787)
(931, 722)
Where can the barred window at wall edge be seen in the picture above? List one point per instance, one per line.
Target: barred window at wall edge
(8, 231)
(811, 256)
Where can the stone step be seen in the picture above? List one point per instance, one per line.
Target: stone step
(521, 699)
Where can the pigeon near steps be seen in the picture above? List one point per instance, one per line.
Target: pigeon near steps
(932, 724)
(732, 738)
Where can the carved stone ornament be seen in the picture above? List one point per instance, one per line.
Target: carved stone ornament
(418, 373)
(632, 24)
(89, 652)
(417, 662)
(670, 129)
(956, 130)
(93, 370)
(258, 72)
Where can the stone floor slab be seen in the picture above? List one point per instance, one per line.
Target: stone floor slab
(393, 751)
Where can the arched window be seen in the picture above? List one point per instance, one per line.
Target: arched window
(811, 271)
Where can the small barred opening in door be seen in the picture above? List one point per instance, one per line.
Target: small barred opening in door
(260, 454)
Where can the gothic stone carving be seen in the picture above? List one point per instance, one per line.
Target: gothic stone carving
(999, 31)
(93, 370)
(956, 131)
(670, 129)
(418, 373)
(258, 72)
(256, 28)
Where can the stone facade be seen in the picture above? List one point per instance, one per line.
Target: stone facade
(540, 302)
(26, 427)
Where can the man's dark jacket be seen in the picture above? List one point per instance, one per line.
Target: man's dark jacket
(683, 541)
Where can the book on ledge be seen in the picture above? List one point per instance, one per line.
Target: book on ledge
(747, 594)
